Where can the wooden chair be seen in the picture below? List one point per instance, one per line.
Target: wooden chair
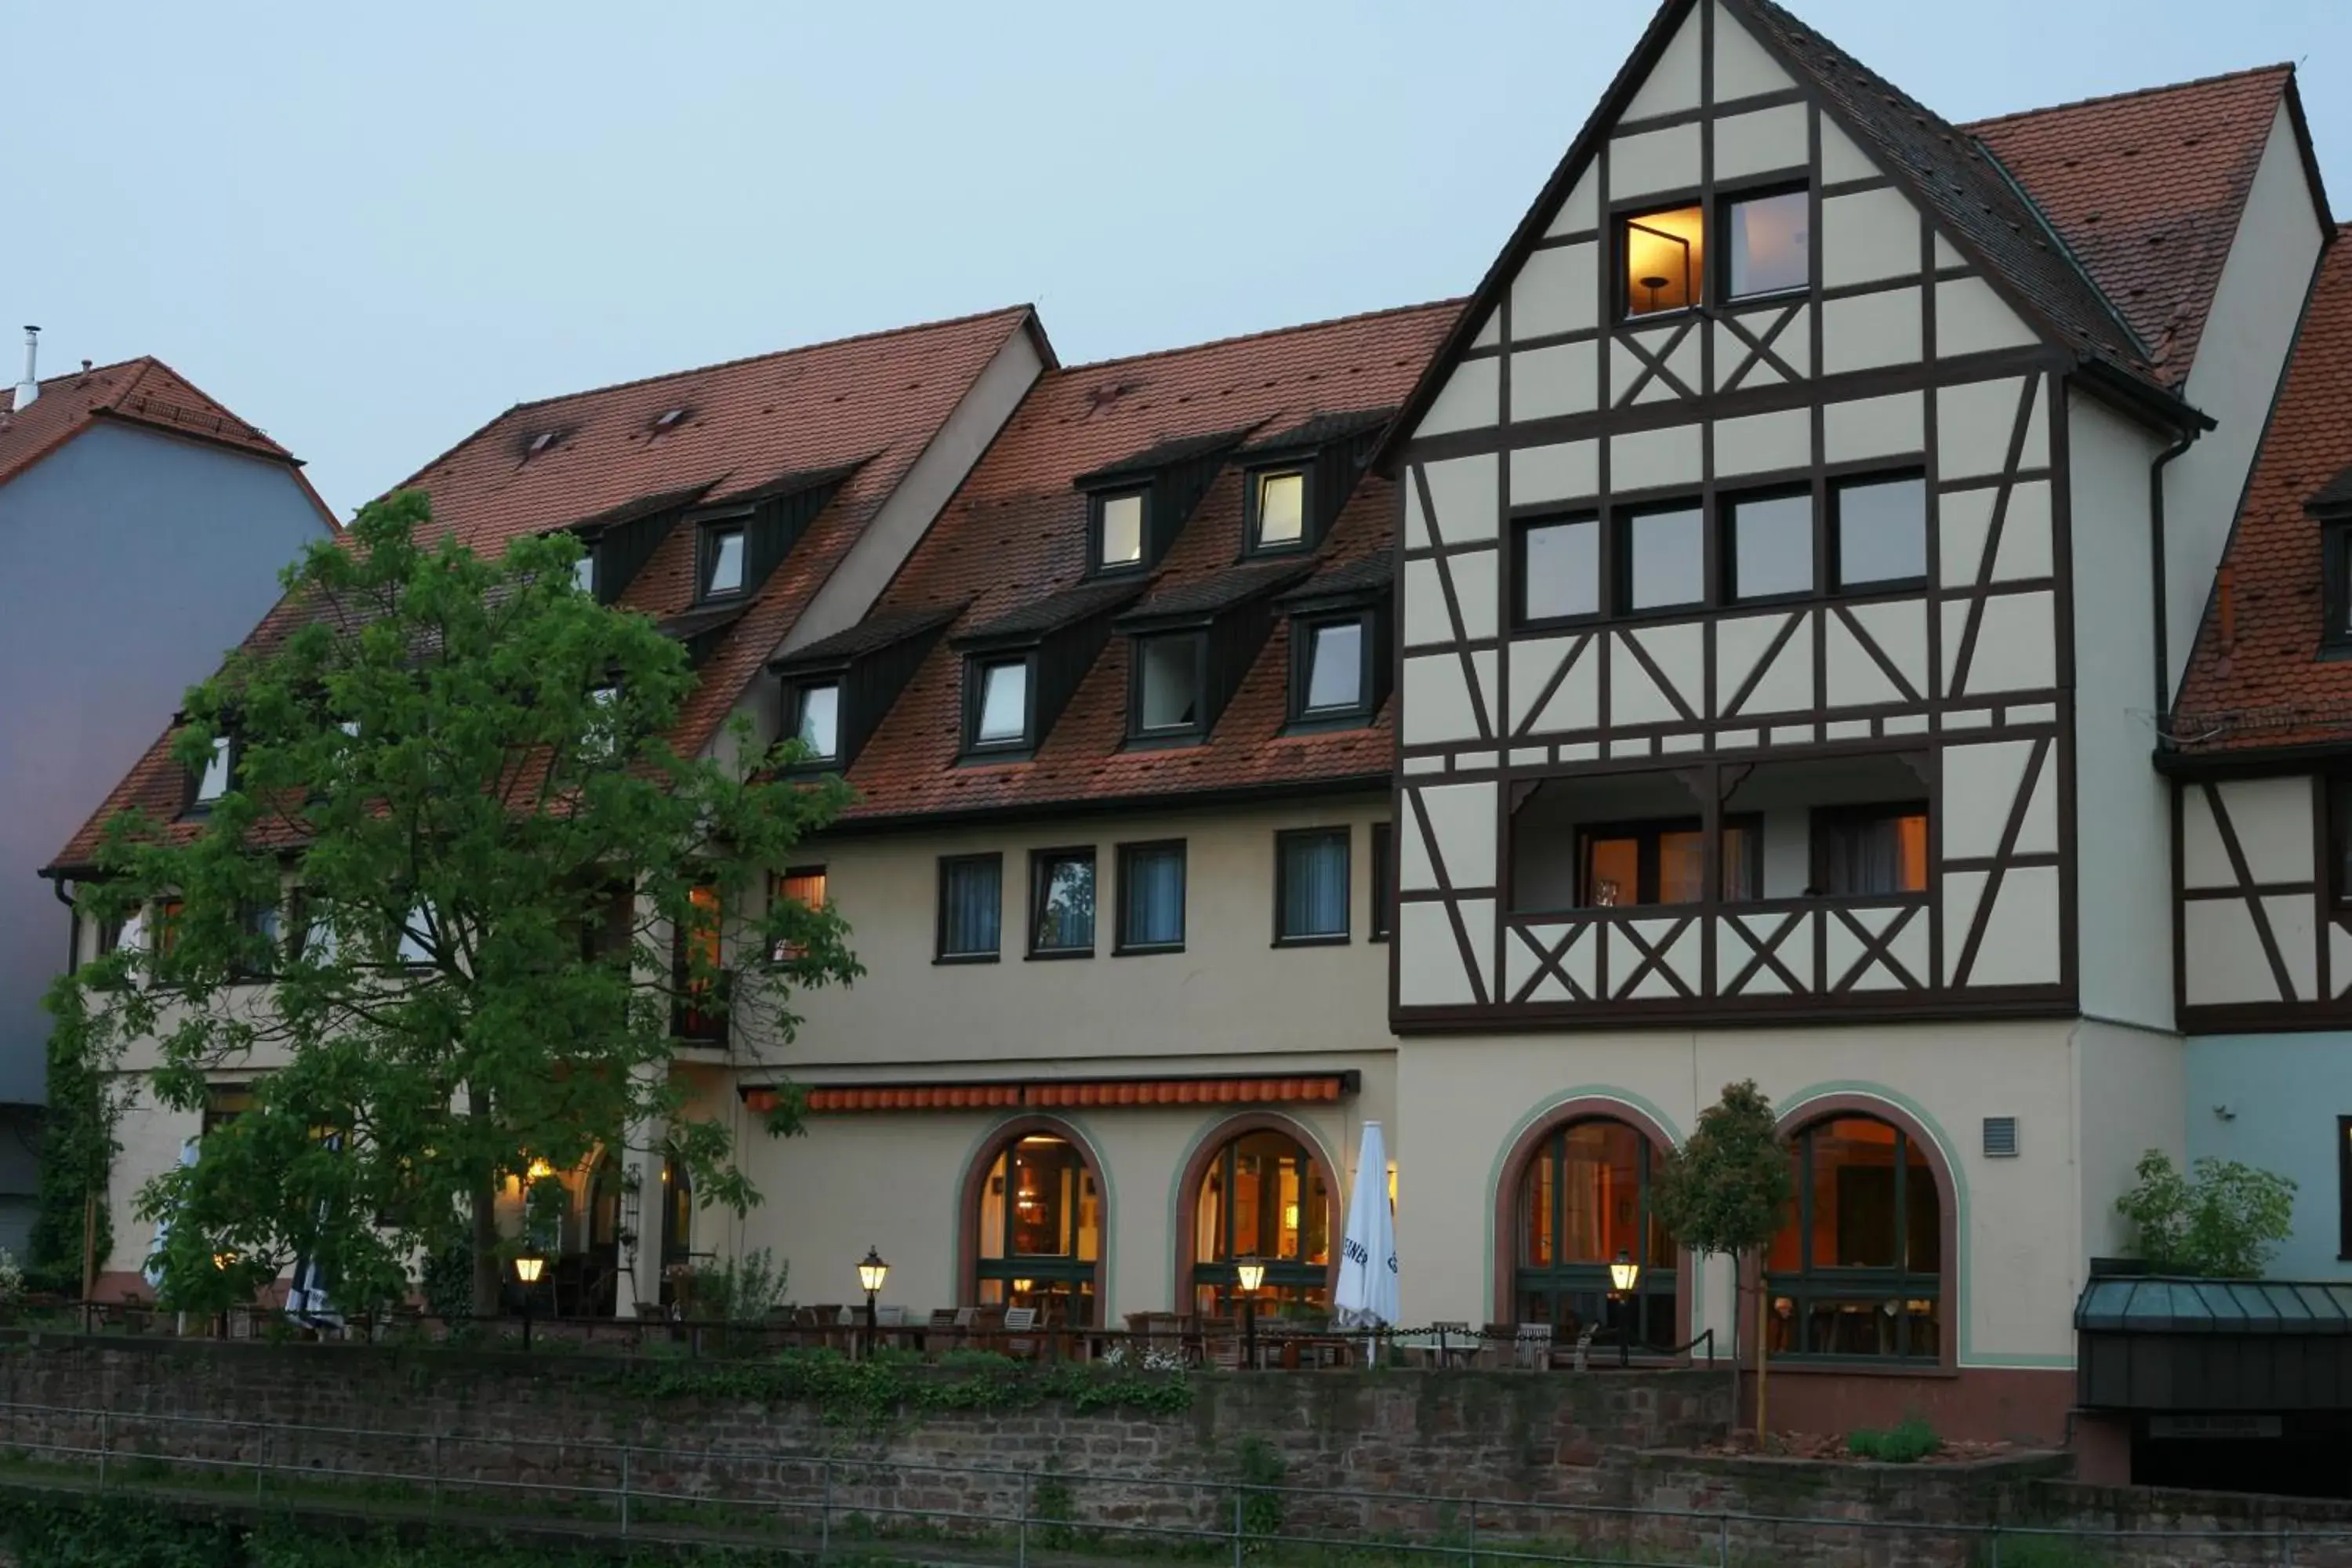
(1221, 1342)
(1497, 1345)
(1450, 1344)
(1020, 1333)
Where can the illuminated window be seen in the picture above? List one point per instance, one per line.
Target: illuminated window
(1770, 244)
(1120, 529)
(701, 1010)
(1665, 257)
(1281, 509)
(1264, 1196)
(1666, 863)
(1856, 1271)
(1583, 1199)
(1040, 1221)
(805, 886)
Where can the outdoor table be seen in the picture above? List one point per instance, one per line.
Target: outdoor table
(1455, 1347)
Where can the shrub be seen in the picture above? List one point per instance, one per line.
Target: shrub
(1906, 1444)
(2221, 1221)
(742, 1289)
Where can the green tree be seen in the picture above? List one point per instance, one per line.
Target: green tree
(482, 886)
(1726, 1192)
(2221, 1221)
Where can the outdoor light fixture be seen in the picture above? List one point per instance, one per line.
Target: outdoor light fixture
(1250, 1272)
(529, 1266)
(1624, 1273)
(540, 1170)
(871, 1272)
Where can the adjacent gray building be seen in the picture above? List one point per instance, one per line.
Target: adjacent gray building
(142, 526)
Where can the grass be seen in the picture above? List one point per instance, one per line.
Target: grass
(1905, 1444)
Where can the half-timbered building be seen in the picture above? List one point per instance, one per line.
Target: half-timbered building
(1798, 532)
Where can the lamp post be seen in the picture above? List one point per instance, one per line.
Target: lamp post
(528, 1269)
(871, 1272)
(1624, 1276)
(1249, 1273)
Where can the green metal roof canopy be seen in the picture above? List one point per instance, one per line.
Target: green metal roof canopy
(2172, 1344)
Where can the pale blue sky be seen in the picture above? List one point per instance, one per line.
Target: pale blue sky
(369, 228)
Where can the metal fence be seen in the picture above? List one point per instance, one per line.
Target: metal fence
(1267, 1344)
(862, 1509)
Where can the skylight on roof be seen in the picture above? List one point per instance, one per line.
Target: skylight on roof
(671, 418)
(542, 442)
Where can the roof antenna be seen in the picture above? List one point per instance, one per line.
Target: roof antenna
(30, 387)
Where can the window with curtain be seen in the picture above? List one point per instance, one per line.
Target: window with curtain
(1771, 243)
(1151, 896)
(803, 885)
(1311, 885)
(1583, 1199)
(1869, 851)
(1665, 862)
(1062, 903)
(695, 960)
(971, 906)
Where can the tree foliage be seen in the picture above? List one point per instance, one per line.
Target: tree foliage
(2221, 1221)
(459, 848)
(1728, 1188)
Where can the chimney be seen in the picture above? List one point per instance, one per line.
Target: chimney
(30, 387)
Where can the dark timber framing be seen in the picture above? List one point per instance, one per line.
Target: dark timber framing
(1715, 963)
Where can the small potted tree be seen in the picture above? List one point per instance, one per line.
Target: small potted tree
(1725, 1192)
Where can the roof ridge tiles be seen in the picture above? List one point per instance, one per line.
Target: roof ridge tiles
(2100, 99)
(1455, 301)
(741, 360)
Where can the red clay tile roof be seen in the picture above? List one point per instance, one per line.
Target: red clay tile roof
(143, 391)
(2147, 188)
(875, 401)
(1015, 536)
(2266, 685)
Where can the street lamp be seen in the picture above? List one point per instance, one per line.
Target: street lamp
(529, 1266)
(1625, 1275)
(1249, 1273)
(871, 1272)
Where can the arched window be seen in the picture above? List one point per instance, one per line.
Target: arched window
(1041, 1230)
(1583, 1199)
(1264, 1195)
(1858, 1271)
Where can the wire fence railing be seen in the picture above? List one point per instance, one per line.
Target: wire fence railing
(989, 1509)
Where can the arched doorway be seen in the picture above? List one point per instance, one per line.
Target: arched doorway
(1859, 1270)
(1580, 1199)
(599, 1264)
(1261, 1192)
(1035, 1223)
(677, 1228)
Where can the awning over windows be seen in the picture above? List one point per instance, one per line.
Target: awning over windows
(2160, 1345)
(1047, 1094)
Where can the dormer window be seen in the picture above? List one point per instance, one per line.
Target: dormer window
(820, 720)
(1118, 530)
(583, 572)
(1665, 258)
(211, 782)
(1334, 679)
(999, 703)
(1278, 509)
(1339, 647)
(722, 561)
(1169, 678)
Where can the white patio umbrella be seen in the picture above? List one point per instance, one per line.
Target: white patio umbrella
(1367, 1293)
(306, 1295)
(153, 1270)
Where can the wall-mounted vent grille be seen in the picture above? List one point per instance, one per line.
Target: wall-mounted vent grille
(2000, 1137)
